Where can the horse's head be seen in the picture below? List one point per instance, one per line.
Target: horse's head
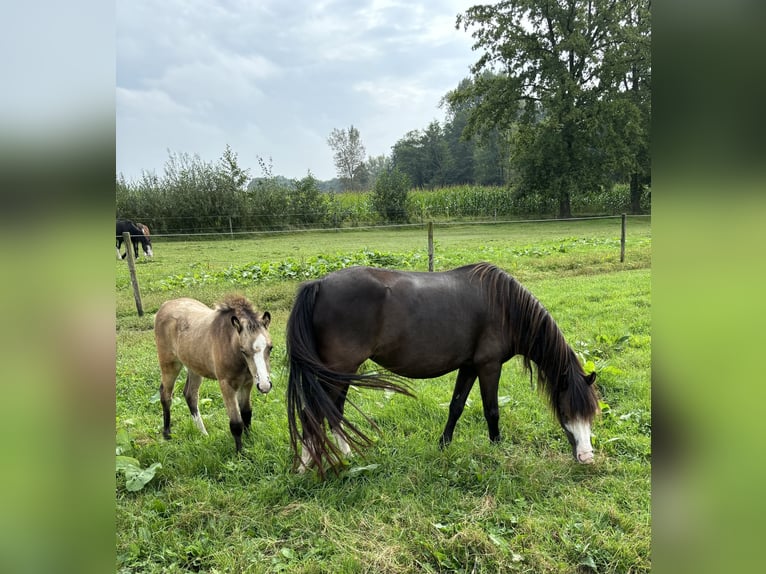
(576, 406)
(146, 241)
(148, 248)
(255, 346)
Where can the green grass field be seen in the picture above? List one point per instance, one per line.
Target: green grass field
(404, 506)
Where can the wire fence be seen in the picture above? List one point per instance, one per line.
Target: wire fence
(307, 229)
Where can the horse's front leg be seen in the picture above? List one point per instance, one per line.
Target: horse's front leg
(466, 377)
(245, 409)
(489, 379)
(232, 409)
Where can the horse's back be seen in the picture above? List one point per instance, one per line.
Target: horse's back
(182, 331)
(178, 315)
(414, 323)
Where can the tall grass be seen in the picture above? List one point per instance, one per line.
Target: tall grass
(405, 506)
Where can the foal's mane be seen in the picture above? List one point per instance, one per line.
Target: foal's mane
(537, 338)
(240, 307)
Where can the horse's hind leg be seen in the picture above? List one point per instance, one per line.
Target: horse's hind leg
(232, 409)
(170, 370)
(191, 394)
(466, 377)
(340, 403)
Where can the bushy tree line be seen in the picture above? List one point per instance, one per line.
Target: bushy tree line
(197, 197)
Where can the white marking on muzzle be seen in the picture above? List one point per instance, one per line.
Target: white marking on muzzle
(580, 429)
(262, 375)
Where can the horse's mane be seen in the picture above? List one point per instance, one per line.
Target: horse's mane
(537, 338)
(239, 306)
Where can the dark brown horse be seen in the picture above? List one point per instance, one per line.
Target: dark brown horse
(230, 343)
(139, 233)
(422, 325)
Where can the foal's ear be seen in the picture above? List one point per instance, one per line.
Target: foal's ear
(266, 319)
(590, 378)
(236, 323)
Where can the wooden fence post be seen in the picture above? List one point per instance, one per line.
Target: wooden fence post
(430, 246)
(132, 268)
(622, 239)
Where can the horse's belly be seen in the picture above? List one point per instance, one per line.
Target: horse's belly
(425, 364)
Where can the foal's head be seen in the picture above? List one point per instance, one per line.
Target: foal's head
(254, 341)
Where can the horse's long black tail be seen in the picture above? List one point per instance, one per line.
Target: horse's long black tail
(313, 389)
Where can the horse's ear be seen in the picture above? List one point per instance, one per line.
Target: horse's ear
(266, 319)
(236, 323)
(590, 378)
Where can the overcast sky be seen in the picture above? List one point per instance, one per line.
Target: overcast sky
(273, 78)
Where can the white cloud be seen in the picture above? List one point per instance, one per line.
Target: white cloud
(273, 78)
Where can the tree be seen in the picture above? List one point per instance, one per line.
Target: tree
(308, 205)
(389, 197)
(376, 166)
(558, 70)
(348, 155)
(408, 156)
(422, 156)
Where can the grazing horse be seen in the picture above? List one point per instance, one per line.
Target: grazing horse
(138, 234)
(422, 325)
(230, 343)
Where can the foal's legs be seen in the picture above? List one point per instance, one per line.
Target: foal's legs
(191, 393)
(170, 369)
(243, 399)
(236, 425)
(466, 377)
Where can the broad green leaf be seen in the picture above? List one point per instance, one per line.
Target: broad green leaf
(136, 478)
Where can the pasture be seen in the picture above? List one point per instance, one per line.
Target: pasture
(522, 505)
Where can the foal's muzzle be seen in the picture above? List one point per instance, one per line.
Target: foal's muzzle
(263, 387)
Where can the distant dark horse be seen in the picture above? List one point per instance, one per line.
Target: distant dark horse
(139, 233)
(422, 325)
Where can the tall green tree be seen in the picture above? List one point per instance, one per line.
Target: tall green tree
(389, 197)
(308, 205)
(557, 83)
(408, 156)
(348, 155)
(422, 155)
(375, 166)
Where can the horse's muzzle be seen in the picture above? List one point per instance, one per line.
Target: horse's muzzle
(585, 457)
(263, 387)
